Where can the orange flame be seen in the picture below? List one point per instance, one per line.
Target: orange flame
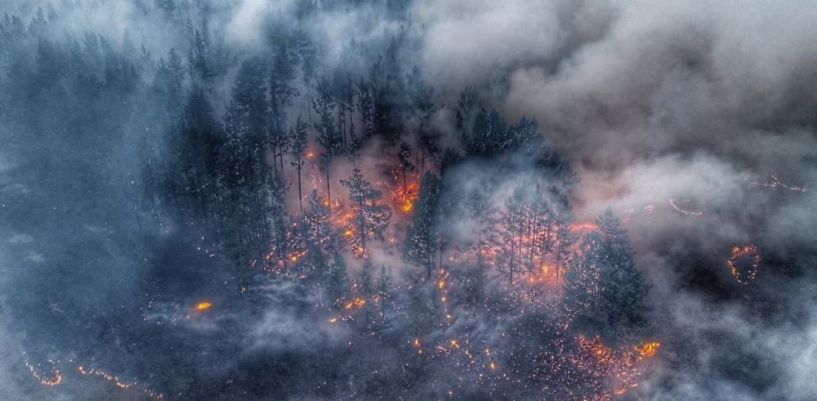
(203, 306)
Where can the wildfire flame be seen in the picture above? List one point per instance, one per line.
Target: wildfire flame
(356, 303)
(744, 257)
(203, 306)
(404, 197)
(617, 370)
(54, 380)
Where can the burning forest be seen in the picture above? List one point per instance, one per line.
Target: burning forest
(406, 200)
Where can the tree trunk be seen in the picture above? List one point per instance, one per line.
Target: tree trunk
(300, 194)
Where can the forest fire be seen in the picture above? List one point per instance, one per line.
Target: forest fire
(405, 194)
(55, 378)
(616, 371)
(649, 349)
(543, 276)
(118, 383)
(744, 263)
(52, 380)
(337, 200)
(356, 303)
(203, 306)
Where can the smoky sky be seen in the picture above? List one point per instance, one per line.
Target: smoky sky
(693, 121)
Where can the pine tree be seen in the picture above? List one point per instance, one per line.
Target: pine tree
(318, 228)
(604, 290)
(280, 91)
(365, 107)
(383, 290)
(371, 215)
(624, 289)
(194, 151)
(197, 60)
(242, 163)
(482, 213)
(337, 282)
(565, 238)
(299, 142)
(421, 235)
(511, 234)
(406, 165)
(324, 106)
(583, 283)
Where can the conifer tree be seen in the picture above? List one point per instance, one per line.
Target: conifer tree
(324, 106)
(371, 215)
(337, 282)
(299, 142)
(623, 289)
(421, 235)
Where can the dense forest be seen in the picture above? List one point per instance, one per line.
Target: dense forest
(311, 218)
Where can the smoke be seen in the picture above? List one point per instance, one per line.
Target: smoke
(693, 103)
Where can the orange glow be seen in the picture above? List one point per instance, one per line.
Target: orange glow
(203, 306)
(584, 227)
(356, 303)
(53, 381)
(648, 350)
(117, 382)
(623, 367)
(403, 197)
(744, 263)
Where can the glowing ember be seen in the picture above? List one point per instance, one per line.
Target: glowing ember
(117, 382)
(649, 349)
(203, 306)
(356, 303)
(744, 263)
(405, 194)
(615, 370)
(52, 380)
